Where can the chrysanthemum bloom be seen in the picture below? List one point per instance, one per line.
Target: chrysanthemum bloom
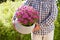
(27, 15)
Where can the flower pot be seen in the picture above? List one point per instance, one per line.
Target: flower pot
(23, 29)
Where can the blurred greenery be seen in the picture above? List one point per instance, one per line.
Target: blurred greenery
(9, 0)
(7, 31)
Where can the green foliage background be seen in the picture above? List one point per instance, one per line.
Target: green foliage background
(7, 31)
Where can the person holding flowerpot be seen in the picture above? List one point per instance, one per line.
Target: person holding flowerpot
(44, 27)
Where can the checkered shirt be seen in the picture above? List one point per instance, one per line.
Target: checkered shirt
(48, 13)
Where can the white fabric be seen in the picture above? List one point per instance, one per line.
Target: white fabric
(45, 37)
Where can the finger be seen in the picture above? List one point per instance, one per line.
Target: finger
(37, 27)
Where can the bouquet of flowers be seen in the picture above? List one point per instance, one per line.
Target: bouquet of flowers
(26, 17)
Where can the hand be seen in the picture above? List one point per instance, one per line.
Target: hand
(37, 27)
(13, 23)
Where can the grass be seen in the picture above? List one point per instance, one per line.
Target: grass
(7, 32)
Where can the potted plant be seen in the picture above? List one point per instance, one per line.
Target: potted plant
(26, 17)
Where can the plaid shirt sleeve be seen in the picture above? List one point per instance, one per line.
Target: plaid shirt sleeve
(52, 16)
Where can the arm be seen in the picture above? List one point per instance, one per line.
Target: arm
(52, 17)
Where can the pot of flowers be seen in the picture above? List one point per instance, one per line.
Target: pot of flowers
(26, 17)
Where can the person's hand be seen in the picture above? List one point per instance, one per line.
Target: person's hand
(13, 23)
(36, 28)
